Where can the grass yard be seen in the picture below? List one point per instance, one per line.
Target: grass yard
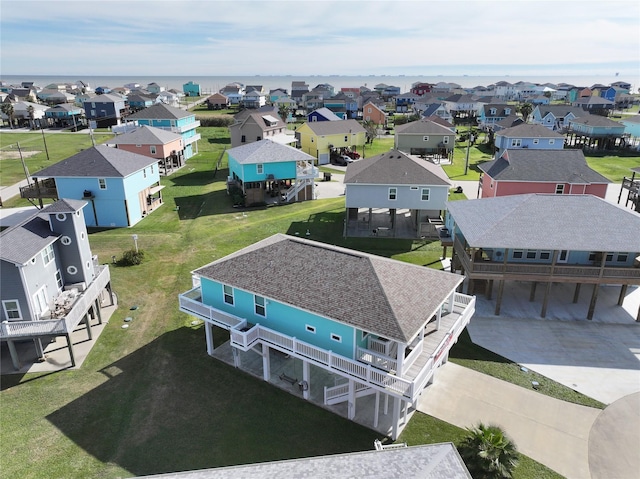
(149, 400)
(614, 167)
(59, 146)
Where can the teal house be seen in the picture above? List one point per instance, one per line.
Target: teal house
(332, 325)
(264, 169)
(172, 119)
(191, 89)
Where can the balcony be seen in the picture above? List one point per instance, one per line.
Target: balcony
(71, 317)
(373, 368)
(558, 273)
(45, 189)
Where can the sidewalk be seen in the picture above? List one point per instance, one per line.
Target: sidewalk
(553, 432)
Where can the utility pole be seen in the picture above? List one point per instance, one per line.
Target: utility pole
(466, 163)
(44, 141)
(24, 166)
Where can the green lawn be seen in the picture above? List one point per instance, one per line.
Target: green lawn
(148, 399)
(58, 145)
(614, 167)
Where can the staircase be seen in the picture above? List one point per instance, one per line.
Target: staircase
(340, 393)
(298, 186)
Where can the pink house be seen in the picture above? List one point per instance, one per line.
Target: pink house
(563, 172)
(164, 145)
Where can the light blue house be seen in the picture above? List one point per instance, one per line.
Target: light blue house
(65, 115)
(336, 324)
(191, 89)
(545, 239)
(264, 169)
(121, 187)
(172, 119)
(631, 125)
(528, 135)
(555, 117)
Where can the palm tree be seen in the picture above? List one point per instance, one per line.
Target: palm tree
(488, 453)
(283, 111)
(371, 128)
(7, 109)
(525, 110)
(32, 115)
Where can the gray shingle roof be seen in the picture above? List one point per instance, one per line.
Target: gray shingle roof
(395, 168)
(146, 135)
(558, 166)
(98, 162)
(326, 113)
(423, 127)
(160, 111)
(267, 151)
(547, 222)
(432, 461)
(335, 127)
(20, 243)
(372, 293)
(597, 121)
(631, 119)
(527, 130)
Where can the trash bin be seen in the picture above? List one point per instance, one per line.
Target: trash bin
(327, 176)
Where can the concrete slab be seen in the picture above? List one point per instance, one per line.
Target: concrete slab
(553, 432)
(56, 350)
(330, 189)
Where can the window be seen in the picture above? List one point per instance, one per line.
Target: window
(560, 189)
(622, 257)
(368, 110)
(425, 138)
(310, 329)
(425, 194)
(59, 281)
(414, 188)
(516, 142)
(260, 169)
(393, 193)
(152, 169)
(12, 309)
(61, 216)
(346, 138)
(552, 141)
(531, 255)
(258, 138)
(507, 111)
(335, 337)
(445, 140)
(152, 149)
(610, 257)
(592, 256)
(102, 183)
(545, 254)
(493, 111)
(228, 294)
(563, 256)
(144, 172)
(260, 305)
(243, 139)
(48, 254)
(517, 254)
(536, 141)
(40, 302)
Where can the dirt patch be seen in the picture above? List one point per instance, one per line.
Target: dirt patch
(15, 155)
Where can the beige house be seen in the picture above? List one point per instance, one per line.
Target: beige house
(425, 137)
(259, 125)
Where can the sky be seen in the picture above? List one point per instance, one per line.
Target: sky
(304, 37)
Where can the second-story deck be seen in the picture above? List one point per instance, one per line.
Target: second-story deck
(373, 369)
(557, 273)
(49, 324)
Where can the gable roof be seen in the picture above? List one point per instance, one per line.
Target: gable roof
(266, 119)
(326, 113)
(104, 98)
(423, 127)
(335, 127)
(547, 222)
(596, 120)
(395, 168)
(98, 162)
(24, 240)
(528, 130)
(372, 293)
(146, 135)
(566, 166)
(160, 111)
(267, 151)
(560, 111)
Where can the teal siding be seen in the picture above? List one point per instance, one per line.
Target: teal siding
(283, 318)
(280, 171)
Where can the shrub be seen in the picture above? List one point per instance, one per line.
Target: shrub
(131, 257)
(217, 120)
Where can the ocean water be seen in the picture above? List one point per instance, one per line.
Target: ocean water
(210, 84)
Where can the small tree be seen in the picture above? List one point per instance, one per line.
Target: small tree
(371, 129)
(8, 110)
(525, 110)
(32, 116)
(131, 257)
(488, 453)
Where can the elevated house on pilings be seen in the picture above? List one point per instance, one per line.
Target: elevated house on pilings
(632, 185)
(594, 132)
(348, 330)
(547, 239)
(50, 281)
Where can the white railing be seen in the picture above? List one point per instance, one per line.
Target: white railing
(382, 346)
(298, 186)
(69, 322)
(413, 355)
(191, 303)
(377, 359)
(340, 393)
(420, 381)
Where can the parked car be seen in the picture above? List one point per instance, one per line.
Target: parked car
(354, 155)
(343, 160)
